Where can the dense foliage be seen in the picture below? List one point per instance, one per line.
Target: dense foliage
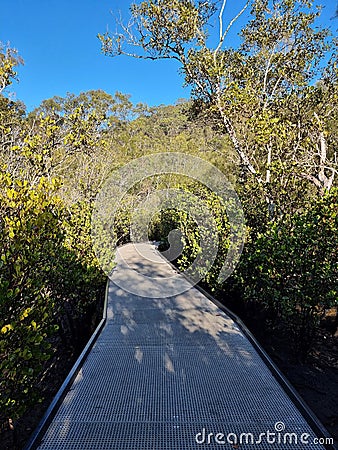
(49, 280)
(30, 242)
(202, 231)
(274, 99)
(291, 270)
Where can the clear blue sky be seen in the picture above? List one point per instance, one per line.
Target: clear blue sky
(57, 40)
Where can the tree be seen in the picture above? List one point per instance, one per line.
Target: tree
(259, 94)
(9, 59)
(11, 112)
(12, 115)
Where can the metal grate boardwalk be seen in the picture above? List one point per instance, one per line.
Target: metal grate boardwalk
(166, 373)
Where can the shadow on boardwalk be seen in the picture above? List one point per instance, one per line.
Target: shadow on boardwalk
(172, 372)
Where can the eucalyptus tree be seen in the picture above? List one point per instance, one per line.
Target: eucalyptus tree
(262, 93)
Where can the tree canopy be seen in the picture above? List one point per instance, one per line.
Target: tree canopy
(273, 95)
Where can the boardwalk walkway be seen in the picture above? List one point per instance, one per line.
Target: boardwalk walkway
(173, 373)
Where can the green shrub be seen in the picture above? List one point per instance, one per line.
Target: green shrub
(292, 268)
(48, 276)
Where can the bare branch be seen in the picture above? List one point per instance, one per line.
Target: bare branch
(223, 36)
(330, 180)
(265, 82)
(220, 17)
(313, 179)
(232, 134)
(268, 171)
(273, 91)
